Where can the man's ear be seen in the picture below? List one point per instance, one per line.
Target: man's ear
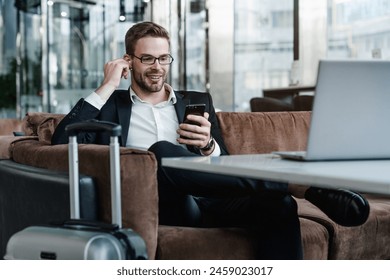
(129, 59)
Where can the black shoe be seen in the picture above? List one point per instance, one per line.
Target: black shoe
(344, 207)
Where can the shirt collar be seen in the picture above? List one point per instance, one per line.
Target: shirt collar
(171, 98)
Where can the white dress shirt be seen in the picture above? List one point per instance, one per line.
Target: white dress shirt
(150, 123)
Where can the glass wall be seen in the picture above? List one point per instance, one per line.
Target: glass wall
(263, 47)
(186, 21)
(263, 40)
(73, 53)
(359, 29)
(221, 49)
(79, 35)
(312, 38)
(52, 52)
(196, 46)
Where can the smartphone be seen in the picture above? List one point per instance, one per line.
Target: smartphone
(194, 109)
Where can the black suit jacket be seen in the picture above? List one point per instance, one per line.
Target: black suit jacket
(118, 110)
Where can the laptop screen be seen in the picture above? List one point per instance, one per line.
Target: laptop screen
(351, 110)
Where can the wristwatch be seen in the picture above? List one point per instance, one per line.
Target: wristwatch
(209, 145)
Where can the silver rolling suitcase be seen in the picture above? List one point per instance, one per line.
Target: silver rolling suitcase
(77, 239)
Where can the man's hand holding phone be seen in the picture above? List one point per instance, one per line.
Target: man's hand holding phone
(195, 128)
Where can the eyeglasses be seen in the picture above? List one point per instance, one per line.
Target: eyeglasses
(150, 59)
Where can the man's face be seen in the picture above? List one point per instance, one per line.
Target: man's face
(149, 78)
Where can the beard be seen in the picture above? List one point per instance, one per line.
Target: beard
(150, 81)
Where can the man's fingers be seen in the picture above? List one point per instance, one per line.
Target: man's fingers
(125, 72)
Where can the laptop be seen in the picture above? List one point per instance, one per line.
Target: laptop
(351, 112)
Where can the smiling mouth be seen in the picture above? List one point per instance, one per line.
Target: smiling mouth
(155, 77)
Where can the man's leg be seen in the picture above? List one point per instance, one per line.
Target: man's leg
(204, 183)
(178, 186)
(271, 217)
(176, 207)
(264, 208)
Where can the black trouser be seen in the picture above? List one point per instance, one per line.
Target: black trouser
(189, 198)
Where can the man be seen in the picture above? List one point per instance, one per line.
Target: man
(151, 115)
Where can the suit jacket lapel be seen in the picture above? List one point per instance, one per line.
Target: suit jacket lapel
(124, 105)
(180, 106)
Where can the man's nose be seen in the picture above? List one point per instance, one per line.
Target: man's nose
(156, 64)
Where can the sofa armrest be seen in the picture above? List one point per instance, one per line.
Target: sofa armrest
(138, 181)
(6, 143)
(8, 126)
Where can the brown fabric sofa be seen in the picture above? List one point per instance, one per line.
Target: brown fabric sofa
(244, 133)
(8, 126)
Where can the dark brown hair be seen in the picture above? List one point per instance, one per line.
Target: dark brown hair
(141, 30)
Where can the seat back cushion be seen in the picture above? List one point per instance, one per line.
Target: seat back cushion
(258, 133)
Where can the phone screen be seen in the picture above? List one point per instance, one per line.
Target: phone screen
(194, 109)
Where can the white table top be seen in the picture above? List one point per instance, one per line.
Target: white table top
(371, 176)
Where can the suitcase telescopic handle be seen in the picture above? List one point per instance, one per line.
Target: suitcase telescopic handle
(95, 126)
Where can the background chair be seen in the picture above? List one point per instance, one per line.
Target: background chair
(268, 104)
(303, 102)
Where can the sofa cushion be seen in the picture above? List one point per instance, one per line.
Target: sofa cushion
(259, 133)
(8, 126)
(230, 243)
(7, 141)
(41, 125)
(186, 243)
(315, 240)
